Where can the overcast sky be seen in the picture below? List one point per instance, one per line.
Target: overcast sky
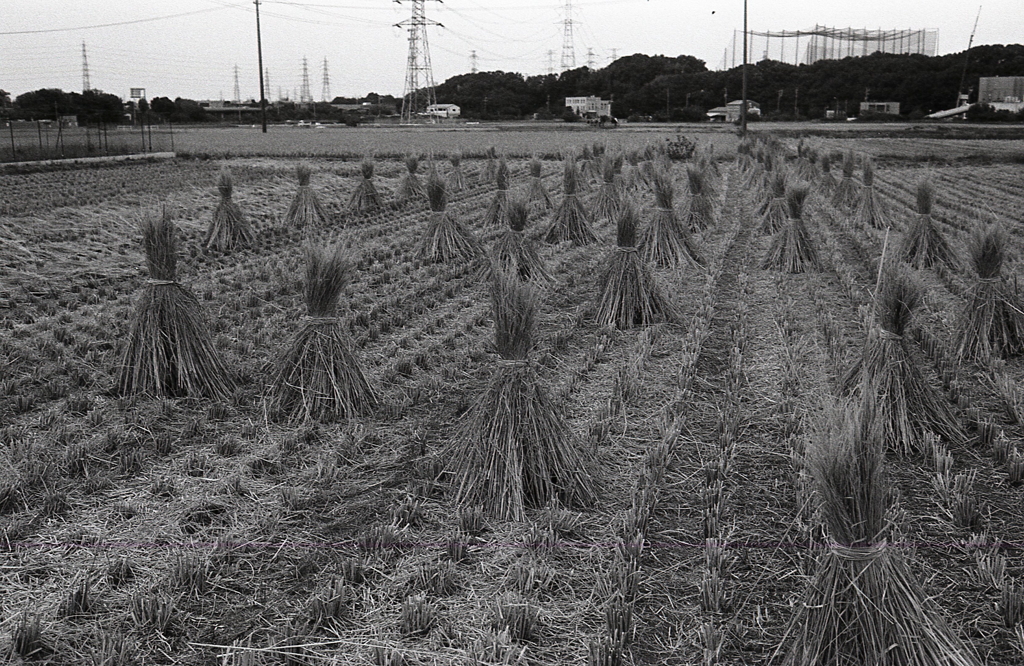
(189, 48)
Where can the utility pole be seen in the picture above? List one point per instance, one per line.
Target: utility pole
(237, 99)
(568, 48)
(418, 63)
(325, 91)
(259, 50)
(743, 108)
(86, 85)
(473, 62)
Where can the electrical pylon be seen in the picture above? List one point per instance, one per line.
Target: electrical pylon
(473, 59)
(86, 85)
(325, 92)
(305, 97)
(568, 48)
(590, 58)
(551, 62)
(418, 71)
(238, 94)
(266, 81)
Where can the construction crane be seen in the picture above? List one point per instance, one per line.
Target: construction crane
(967, 57)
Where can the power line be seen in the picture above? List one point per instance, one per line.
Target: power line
(112, 25)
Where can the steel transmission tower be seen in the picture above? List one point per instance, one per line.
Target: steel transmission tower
(551, 62)
(590, 58)
(417, 71)
(238, 95)
(86, 85)
(473, 59)
(305, 97)
(325, 92)
(568, 48)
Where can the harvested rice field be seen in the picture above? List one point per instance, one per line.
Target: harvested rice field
(688, 503)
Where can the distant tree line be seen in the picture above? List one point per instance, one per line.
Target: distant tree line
(682, 88)
(640, 86)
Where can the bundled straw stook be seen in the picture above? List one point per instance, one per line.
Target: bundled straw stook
(513, 253)
(924, 245)
(495, 215)
(513, 449)
(776, 212)
(827, 182)
(228, 229)
(792, 250)
(871, 211)
(318, 377)
(571, 222)
(170, 350)
(665, 241)
(992, 323)
(608, 197)
(305, 210)
(456, 180)
(365, 198)
(864, 604)
(537, 193)
(846, 194)
(630, 294)
(700, 213)
(905, 404)
(490, 168)
(446, 240)
(410, 188)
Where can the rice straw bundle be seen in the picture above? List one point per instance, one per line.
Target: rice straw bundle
(827, 180)
(905, 404)
(318, 376)
(864, 605)
(700, 213)
(456, 181)
(631, 176)
(992, 323)
(792, 250)
(490, 170)
(447, 239)
(776, 211)
(365, 197)
(870, 211)
(608, 197)
(513, 253)
(537, 193)
(571, 221)
(630, 294)
(228, 229)
(666, 241)
(923, 244)
(846, 194)
(410, 187)
(305, 210)
(495, 215)
(513, 449)
(170, 351)
(587, 168)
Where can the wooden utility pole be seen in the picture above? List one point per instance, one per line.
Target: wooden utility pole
(259, 51)
(743, 108)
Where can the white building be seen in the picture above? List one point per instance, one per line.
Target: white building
(444, 111)
(730, 113)
(589, 107)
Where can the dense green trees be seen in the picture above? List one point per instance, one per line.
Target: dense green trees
(664, 87)
(91, 106)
